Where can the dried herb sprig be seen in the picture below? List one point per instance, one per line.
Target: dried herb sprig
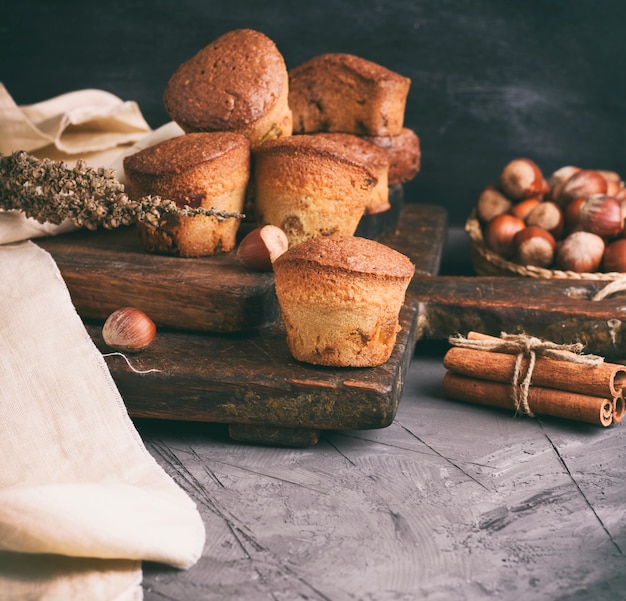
(51, 191)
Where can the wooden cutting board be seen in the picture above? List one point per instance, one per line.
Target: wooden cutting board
(562, 311)
(242, 376)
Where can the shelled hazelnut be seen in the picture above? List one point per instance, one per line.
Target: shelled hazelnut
(491, 202)
(602, 215)
(522, 208)
(128, 329)
(572, 214)
(613, 180)
(558, 178)
(261, 247)
(549, 216)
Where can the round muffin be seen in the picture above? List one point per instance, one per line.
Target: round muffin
(310, 186)
(340, 298)
(238, 83)
(208, 170)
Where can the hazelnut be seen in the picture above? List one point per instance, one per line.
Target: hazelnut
(585, 182)
(572, 214)
(580, 252)
(622, 204)
(558, 178)
(620, 194)
(614, 189)
(128, 329)
(549, 216)
(523, 207)
(491, 202)
(601, 214)
(613, 180)
(614, 258)
(499, 233)
(534, 246)
(521, 178)
(262, 246)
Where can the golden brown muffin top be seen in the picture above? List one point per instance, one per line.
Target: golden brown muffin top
(310, 145)
(230, 83)
(350, 254)
(178, 154)
(364, 150)
(360, 67)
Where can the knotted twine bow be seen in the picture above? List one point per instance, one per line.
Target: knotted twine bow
(525, 346)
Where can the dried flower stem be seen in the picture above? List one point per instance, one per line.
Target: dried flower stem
(50, 191)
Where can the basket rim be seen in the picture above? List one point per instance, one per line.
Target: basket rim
(475, 233)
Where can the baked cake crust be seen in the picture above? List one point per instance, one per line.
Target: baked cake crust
(209, 170)
(239, 82)
(349, 254)
(340, 299)
(346, 93)
(376, 159)
(309, 186)
(404, 153)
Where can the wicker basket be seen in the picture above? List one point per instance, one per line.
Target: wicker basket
(488, 263)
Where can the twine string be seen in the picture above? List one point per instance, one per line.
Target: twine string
(525, 346)
(130, 365)
(617, 285)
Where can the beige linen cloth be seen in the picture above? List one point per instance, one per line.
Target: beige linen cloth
(82, 502)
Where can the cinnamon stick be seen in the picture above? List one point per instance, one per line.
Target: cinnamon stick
(542, 401)
(619, 409)
(602, 380)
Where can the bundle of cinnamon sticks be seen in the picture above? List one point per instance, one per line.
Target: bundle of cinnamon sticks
(486, 370)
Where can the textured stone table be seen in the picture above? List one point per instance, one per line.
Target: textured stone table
(450, 502)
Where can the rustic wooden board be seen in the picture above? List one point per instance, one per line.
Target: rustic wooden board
(558, 310)
(246, 379)
(106, 270)
(252, 380)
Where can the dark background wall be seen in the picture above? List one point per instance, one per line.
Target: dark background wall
(491, 79)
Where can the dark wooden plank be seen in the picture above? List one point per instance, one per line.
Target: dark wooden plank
(420, 234)
(251, 379)
(558, 310)
(105, 270)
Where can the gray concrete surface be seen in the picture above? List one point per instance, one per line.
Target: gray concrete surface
(450, 502)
